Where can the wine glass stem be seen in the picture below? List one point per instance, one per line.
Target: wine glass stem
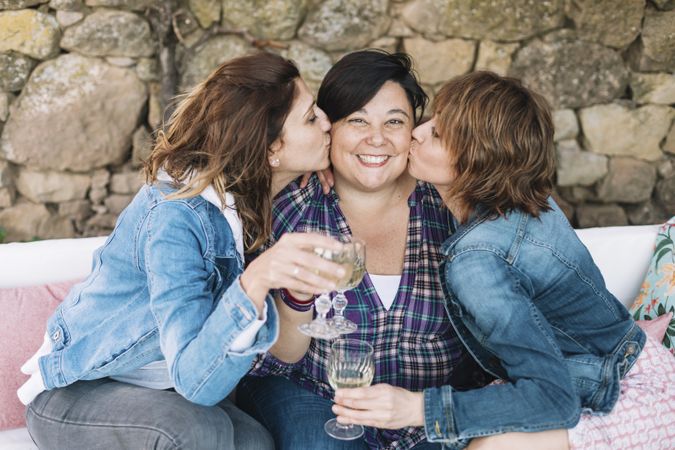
(339, 305)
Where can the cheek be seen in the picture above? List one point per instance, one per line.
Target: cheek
(402, 142)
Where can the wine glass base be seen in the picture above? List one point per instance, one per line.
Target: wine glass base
(318, 331)
(343, 432)
(344, 326)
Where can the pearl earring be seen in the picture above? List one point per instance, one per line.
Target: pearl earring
(274, 161)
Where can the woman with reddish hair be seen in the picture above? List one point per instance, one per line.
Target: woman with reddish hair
(523, 294)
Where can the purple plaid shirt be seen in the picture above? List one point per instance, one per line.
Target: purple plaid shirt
(415, 345)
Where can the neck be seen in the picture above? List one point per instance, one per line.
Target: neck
(280, 180)
(372, 203)
(460, 211)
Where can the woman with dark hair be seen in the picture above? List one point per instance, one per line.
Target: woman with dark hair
(373, 101)
(138, 354)
(524, 294)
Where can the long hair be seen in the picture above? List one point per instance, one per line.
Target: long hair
(221, 133)
(500, 135)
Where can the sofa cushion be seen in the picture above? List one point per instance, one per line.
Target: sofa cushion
(656, 329)
(25, 314)
(657, 294)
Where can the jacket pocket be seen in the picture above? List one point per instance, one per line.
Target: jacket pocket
(139, 353)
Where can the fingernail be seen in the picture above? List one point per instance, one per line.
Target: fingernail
(341, 272)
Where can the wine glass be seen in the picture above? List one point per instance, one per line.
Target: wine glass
(320, 327)
(357, 258)
(350, 365)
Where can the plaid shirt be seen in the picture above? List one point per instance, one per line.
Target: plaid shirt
(415, 345)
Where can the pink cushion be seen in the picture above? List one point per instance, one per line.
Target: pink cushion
(656, 328)
(25, 311)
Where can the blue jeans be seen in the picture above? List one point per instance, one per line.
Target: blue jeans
(106, 414)
(295, 416)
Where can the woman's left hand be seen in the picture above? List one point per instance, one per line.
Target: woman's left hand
(380, 406)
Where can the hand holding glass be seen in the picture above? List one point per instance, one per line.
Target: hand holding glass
(352, 259)
(350, 365)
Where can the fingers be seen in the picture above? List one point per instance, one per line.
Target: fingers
(364, 393)
(310, 241)
(369, 417)
(298, 269)
(326, 179)
(305, 179)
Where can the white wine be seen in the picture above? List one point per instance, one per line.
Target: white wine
(358, 269)
(344, 280)
(344, 377)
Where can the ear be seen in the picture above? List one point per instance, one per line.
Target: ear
(277, 145)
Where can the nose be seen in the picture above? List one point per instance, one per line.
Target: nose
(417, 133)
(324, 123)
(376, 138)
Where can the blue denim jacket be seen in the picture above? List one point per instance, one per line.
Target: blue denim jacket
(163, 286)
(527, 300)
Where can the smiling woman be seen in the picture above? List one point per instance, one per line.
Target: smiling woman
(373, 101)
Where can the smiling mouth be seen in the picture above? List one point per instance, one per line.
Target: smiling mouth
(373, 159)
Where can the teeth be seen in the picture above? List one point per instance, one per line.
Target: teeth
(371, 159)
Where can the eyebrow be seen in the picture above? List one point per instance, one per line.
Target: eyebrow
(391, 111)
(311, 107)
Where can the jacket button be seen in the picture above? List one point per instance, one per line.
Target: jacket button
(630, 349)
(57, 335)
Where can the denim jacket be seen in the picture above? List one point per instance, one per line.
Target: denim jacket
(163, 286)
(528, 302)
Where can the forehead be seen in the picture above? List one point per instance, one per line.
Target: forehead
(390, 96)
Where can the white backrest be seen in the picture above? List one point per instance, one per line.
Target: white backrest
(49, 261)
(623, 255)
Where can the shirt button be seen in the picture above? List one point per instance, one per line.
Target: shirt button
(57, 335)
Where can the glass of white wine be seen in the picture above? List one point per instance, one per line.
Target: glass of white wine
(350, 365)
(355, 254)
(320, 327)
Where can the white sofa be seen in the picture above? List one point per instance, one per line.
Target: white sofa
(622, 253)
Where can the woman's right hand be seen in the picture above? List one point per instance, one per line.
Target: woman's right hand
(291, 263)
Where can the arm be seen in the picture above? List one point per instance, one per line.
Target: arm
(195, 336)
(292, 344)
(501, 315)
(505, 321)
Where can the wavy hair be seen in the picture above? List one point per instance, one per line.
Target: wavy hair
(221, 133)
(500, 135)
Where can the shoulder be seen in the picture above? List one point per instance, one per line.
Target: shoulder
(433, 211)
(292, 202)
(178, 217)
(487, 236)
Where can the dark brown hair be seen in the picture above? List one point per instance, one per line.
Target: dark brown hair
(221, 133)
(356, 78)
(500, 135)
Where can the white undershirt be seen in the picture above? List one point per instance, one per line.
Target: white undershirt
(386, 287)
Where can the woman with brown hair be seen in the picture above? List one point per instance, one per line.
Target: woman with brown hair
(138, 354)
(523, 294)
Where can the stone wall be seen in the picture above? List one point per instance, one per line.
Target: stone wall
(83, 83)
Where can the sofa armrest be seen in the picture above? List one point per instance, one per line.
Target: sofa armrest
(49, 261)
(623, 255)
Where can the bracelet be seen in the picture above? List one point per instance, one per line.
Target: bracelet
(295, 303)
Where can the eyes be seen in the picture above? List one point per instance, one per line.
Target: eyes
(393, 122)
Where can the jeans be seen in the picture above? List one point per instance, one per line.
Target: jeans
(295, 416)
(107, 414)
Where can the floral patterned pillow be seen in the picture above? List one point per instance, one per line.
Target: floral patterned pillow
(657, 294)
